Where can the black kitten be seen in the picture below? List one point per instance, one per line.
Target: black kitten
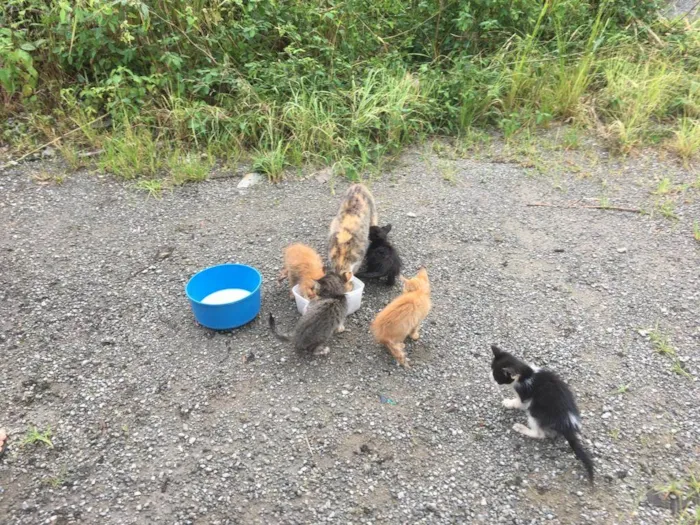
(382, 259)
(549, 403)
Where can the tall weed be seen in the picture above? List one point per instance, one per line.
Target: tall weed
(635, 97)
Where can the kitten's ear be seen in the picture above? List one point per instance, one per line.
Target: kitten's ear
(387, 228)
(496, 351)
(347, 277)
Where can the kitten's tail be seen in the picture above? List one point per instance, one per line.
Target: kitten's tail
(281, 337)
(580, 452)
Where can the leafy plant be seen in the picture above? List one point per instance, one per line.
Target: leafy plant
(343, 85)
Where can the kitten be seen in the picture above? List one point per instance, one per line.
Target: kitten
(382, 259)
(549, 403)
(302, 266)
(402, 316)
(349, 233)
(322, 317)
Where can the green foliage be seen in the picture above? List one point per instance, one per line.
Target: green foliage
(35, 436)
(188, 167)
(130, 153)
(337, 83)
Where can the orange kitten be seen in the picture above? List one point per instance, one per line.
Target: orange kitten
(302, 266)
(402, 316)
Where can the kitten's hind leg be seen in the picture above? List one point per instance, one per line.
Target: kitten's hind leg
(397, 350)
(391, 279)
(533, 430)
(415, 334)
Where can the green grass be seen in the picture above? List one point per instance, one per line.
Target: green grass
(623, 389)
(153, 187)
(677, 368)
(686, 140)
(56, 481)
(663, 346)
(344, 87)
(664, 187)
(35, 436)
(667, 209)
(675, 488)
(44, 177)
(661, 343)
(696, 231)
(634, 94)
(271, 162)
(571, 139)
(131, 153)
(686, 489)
(188, 167)
(447, 171)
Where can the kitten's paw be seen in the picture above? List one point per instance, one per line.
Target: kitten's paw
(415, 335)
(511, 403)
(322, 351)
(406, 362)
(340, 329)
(521, 429)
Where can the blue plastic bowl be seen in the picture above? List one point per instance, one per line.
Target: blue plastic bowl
(229, 315)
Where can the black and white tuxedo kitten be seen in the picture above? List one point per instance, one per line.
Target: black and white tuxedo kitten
(549, 403)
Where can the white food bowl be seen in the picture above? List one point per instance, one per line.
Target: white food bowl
(354, 297)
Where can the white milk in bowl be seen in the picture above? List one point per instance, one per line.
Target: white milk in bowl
(225, 296)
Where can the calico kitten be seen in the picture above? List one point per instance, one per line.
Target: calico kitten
(302, 266)
(549, 403)
(322, 317)
(382, 259)
(402, 316)
(349, 233)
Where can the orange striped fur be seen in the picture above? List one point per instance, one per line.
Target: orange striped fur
(403, 316)
(302, 266)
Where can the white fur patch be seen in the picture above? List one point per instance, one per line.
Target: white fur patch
(575, 422)
(535, 427)
(493, 379)
(512, 403)
(533, 430)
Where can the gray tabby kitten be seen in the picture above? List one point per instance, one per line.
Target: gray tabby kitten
(323, 317)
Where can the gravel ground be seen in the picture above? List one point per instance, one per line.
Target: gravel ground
(688, 8)
(157, 420)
